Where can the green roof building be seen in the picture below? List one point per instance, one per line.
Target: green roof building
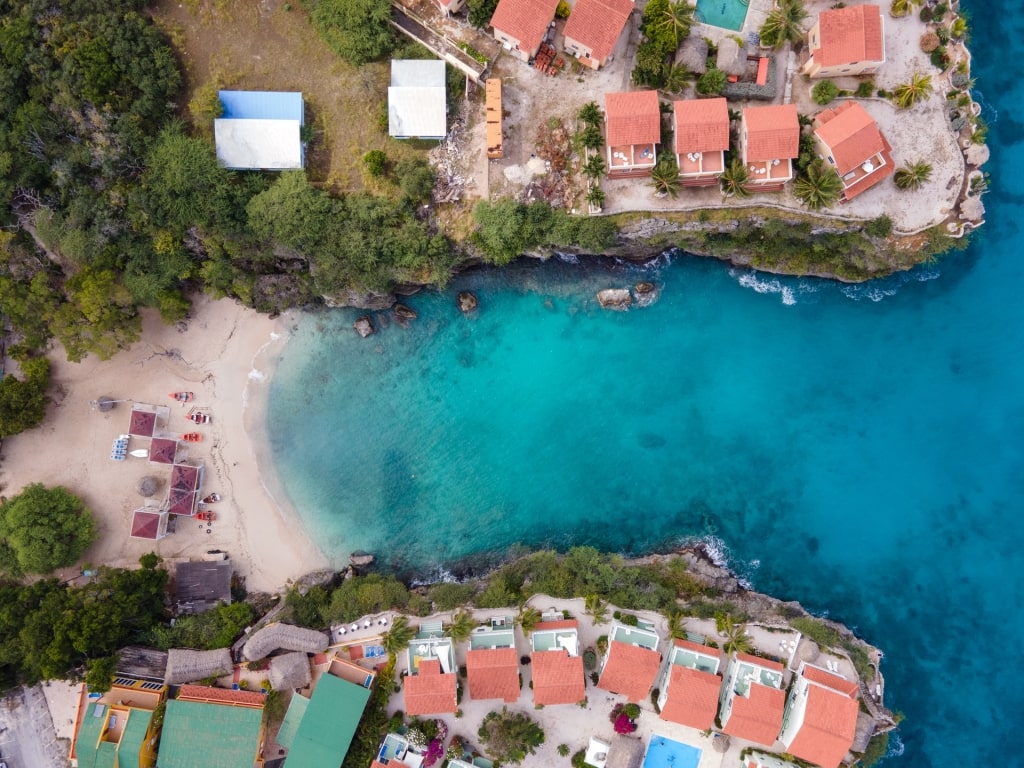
(113, 737)
(198, 734)
(318, 731)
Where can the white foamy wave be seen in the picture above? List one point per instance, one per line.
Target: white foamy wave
(924, 275)
(765, 285)
(870, 292)
(716, 549)
(896, 745)
(257, 375)
(440, 575)
(882, 289)
(568, 258)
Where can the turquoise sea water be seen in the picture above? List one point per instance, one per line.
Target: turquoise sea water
(857, 449)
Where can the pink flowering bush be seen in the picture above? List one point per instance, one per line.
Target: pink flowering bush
(623, 724)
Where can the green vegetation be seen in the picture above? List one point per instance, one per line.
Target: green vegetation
(23, 401)
(876, 750)
(376, 162)
(880, 226)
(711, 82)
(784, 24)
(734, 179)
(824, 92)
(908, 94)
(818, 186)
(216, 628)
(507, 229)
(510, 736)
(481, 11)
(357, 30)
(913, 175)
(397, 639)
(43, 529)
(47, 628)
(665, 176)
(665, 24)
(450, 595)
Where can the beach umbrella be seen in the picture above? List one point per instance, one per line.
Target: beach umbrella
(105, 403)
(148, 485)
(721, 742)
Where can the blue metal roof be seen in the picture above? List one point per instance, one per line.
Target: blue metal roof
(261, 105)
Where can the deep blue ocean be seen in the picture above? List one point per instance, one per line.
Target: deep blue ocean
(855, 448)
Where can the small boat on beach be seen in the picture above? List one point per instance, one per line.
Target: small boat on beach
(139, 453)
(192, 437)
(206, 516)
(183, 397)
(198, 417)
(213, 498)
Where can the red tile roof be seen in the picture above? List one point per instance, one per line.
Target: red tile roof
(632, 118)
(630, 670)
(562, 624)
(145, 525)
(692, 697)
(757, 717)
(493, 673)
(835, 682)
(850, 35)
(707, 650)
(142, 423)
(524, 20)
(557, 678)
(851, 133)
(773, 133)
(702, 125)
(597, 24)
(210, 695)
(830, 723)
(430, 692)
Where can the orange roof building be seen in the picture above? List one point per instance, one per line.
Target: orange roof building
(493, 673)
(632, 132)
(848, 138)
(556, 663)
(752, 699)
(429, 691)
(520, 25)
(846, 41)
(769, 142)
(594, 28)
(691, 685)
(821, 717)
(631, 663)
(702, 139)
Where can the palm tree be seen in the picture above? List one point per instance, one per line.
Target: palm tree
(784, 24)
(676, 624)
(595, 196)
(734, 179)
(529, 617)
(594, 168)
(908, 94)
(900, 8)
(594, 606)
(590, 113)
(819, 186)
(676, 78)
(913, 175)
(676, 20)
(397, 639)
(665, 176)
(462, 626)
(737, 640)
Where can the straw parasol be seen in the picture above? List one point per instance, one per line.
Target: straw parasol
(187, 666)
(693, 54)
(290, 670)
(731, 58)
(624, 752)
(286, 637)
(148, 486)
(105, 403)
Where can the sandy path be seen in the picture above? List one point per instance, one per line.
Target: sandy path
(225, 355)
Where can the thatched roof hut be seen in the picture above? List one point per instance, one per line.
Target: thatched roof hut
(285, 637)
(625, 752)
(186, 666)
(142, 663)
(731, 58)
(693, 54)
(291, 670)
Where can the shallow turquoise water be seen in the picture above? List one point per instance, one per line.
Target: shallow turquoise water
(727, 14)
(857, 449)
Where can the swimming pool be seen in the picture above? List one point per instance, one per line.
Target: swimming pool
(727, 14)
(665, 753)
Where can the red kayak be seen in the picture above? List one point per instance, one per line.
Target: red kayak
(183, 397)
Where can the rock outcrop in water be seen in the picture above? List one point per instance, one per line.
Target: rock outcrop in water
(364, 326)
(617, 299)
(468, 301)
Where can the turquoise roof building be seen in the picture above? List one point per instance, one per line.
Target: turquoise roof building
(319, 730)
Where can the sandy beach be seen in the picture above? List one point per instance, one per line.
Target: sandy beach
(225, 354)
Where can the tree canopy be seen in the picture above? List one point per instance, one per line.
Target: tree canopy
(510, 736)
(42, 529)
(357, 30)
(23, 401)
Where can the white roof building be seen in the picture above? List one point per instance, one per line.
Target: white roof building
(417, 106)
(260, 130)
